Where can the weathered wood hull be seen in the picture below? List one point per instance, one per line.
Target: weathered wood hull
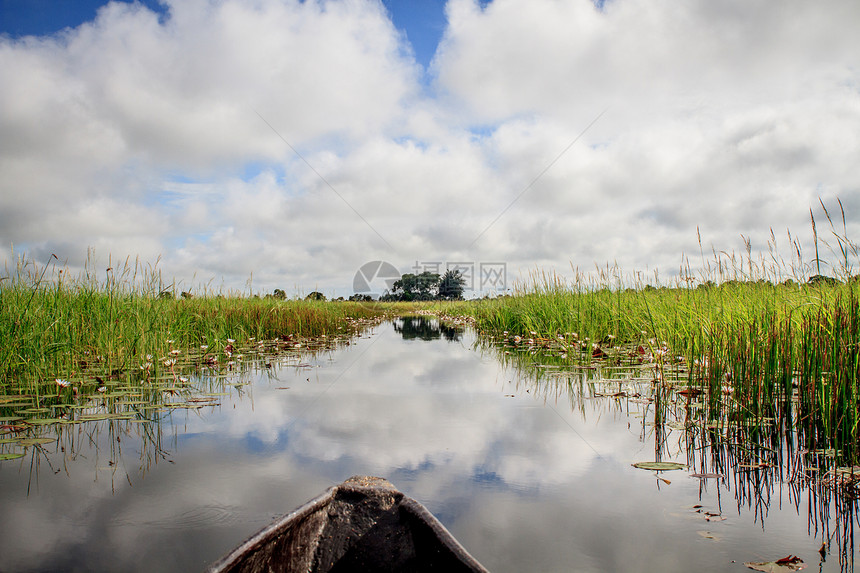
(363, 524)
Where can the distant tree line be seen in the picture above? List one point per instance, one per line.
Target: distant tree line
(424, 286)
(427, 286)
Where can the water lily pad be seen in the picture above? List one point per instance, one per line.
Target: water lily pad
(17, 405)
(94, 417)
(11, 456)
(43, 421)
(659, 466)
(34, 441)
(790, 563)
(116, 394)
(33, 411)
(7, 419)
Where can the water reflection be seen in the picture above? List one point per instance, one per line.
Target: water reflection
(425, 328)
(148, 409)
(766, 464)
(529, 468)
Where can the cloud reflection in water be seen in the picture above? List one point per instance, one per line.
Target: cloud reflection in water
(517, 480)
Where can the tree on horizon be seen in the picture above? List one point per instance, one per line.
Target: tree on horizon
(451, 285)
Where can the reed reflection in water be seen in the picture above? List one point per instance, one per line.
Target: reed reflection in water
(530, 468)
(763, 464)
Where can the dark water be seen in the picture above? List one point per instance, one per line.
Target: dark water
(527, 475)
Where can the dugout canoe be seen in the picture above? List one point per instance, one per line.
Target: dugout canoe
(363, 524)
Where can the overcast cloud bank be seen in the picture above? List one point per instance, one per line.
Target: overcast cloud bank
(296, 141)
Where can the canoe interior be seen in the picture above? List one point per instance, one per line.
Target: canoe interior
(364, 524)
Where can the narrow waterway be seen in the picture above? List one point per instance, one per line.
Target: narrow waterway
(527, 476)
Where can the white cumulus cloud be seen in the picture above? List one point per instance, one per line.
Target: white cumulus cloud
(297, 140)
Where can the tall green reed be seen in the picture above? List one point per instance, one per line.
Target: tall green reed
(760, 335)
(52, 325)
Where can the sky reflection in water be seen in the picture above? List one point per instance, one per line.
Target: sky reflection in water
(525, 482)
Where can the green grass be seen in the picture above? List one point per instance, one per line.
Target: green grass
(759, 349)
(52, 326)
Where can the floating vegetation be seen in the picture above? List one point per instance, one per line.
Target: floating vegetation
(785, 564)
(659, 466)
(43, 421)
(35, 441)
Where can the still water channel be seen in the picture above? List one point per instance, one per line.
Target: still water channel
(527, 470)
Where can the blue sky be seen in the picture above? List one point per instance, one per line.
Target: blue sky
(248, 145)
(44, 17)
(422, 21)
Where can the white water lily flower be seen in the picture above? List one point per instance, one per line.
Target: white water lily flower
(61, 382)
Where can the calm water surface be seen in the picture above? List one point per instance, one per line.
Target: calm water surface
(526, 477)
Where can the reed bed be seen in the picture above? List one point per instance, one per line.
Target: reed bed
(760, 350)
(52, 325)
(762, 340)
